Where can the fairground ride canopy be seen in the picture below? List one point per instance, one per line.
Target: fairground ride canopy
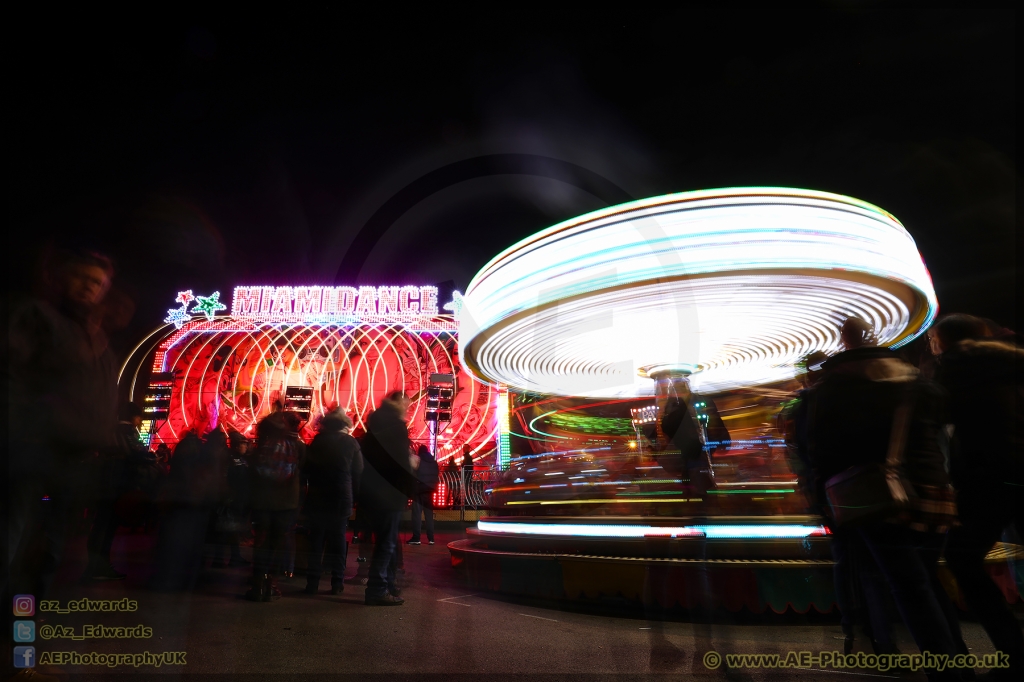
(730, 286)
(351, 346)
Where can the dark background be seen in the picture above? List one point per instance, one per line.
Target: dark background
(209, 151)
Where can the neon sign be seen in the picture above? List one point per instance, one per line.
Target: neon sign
(205, 305)
(317, 303)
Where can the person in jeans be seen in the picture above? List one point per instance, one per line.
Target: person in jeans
(983, 379)
(423, 503)
(332, 470)
(274, 479)
(389, 480)
(852, 414)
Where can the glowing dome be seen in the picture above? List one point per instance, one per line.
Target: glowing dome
(731, 285)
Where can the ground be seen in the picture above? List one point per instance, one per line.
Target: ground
(443, 631)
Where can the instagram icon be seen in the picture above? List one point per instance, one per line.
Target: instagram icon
(24, 605)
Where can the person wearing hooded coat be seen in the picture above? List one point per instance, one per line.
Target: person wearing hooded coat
(333, 467)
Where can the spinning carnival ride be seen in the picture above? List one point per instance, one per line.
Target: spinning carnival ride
(591, 323)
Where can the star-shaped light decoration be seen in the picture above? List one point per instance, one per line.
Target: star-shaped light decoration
(209, 305)
(455, 305)
(185, 297)
(179, 317)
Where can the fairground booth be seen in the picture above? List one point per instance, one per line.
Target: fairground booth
(309, 349)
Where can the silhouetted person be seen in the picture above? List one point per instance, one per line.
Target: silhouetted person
(859, 586)
(235, 509)
(189, 493)
(984, 380)
(113, 479)
(867, 398)
(388, 482)
(274, 480)
(62, 388)
(423, 503)
(333, 469)
(696, 431)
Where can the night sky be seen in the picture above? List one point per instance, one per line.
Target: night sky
(330, 147)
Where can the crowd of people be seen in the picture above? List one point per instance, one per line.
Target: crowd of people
(944, 437)
(910, 464)
(74, 451)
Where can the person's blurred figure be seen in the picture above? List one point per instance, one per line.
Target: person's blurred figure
(389, 481)
(694, 429)
(859, 587)
(62, 393)
(423, 503)
(163, 456)
(189, 493)
(113, 473)
(235, 508)
(467, 474)
(332, 470)
(274, 481)
(853, 418)
(983, 377)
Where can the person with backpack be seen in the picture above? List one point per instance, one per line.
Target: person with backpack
(332, 472)
(423, 503)
(274, 480)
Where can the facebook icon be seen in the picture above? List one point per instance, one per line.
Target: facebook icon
(24, 657)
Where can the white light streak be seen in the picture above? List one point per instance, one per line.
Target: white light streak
(734, 285)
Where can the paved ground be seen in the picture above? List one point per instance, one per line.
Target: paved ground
(442, 632)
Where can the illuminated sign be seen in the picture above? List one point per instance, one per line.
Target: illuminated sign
(311, 303)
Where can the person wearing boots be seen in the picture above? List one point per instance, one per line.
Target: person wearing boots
(332, 470)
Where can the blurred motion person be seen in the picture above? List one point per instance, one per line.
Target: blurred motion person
(859, 586)
(695, 431)
(389, 480)
(332, 470)
(112, 481)
(274, 480)
(190, 491)
(237, 502)
(983, 377)
(852, 421)
(62, 393)
(427, 477)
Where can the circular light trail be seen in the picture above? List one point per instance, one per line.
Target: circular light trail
(734, 286)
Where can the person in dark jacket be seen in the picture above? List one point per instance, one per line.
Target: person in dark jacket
(852, 417)
(236, 505)
(389, 480)
(695, 431)
(112, 480)
(189, 495)
(427, 476)
(274, 482)
(332, 471)
(62, 391)
(983, 377)
(859, 586)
